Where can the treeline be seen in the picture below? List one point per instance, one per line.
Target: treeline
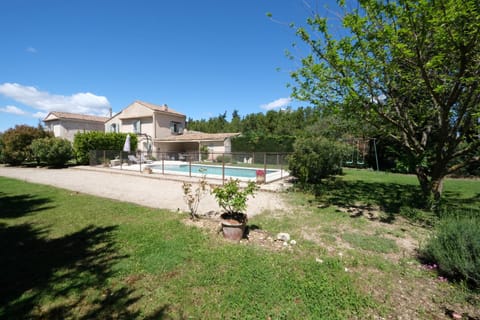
(273, 131)
(26, 145)
(277, 131)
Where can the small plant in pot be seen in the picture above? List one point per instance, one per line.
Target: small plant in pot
(233, 200)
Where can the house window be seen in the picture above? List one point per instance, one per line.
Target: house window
(176, 127)
(113, 127)
(137, 126)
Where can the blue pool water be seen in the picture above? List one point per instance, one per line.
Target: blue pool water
(212, 170)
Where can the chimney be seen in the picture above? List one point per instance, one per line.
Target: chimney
(110, 112)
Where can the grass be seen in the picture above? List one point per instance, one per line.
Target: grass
(72, 256)
(380, 253)
(371, 243)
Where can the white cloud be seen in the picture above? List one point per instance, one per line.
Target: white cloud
(279, 103)
(40, 115)
(31, 50)
(13, 110)
(84, 102)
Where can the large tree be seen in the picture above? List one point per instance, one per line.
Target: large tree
(410, 67)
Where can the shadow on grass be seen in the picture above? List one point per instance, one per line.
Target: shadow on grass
(392, 198)
(388, 196)
(20, 205)
(452, 201)
(62, 278)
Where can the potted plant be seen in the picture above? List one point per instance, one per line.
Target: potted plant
(260, 176)
(233, 200)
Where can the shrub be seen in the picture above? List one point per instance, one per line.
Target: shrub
(83, 143)
(193, 196)
(52, 151)
(16, 143)
(316, 158)
(224, 158)
(455, 248)
(231, 197)
(263, 143)
(204, 152)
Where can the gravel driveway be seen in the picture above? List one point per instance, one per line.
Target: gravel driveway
(147, 190)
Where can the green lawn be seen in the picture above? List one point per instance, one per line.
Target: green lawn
(66, 255)
(71, 256)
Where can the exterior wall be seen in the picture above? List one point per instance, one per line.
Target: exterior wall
(162, 123)
(116, 121)
(215, 146)
(66, 128)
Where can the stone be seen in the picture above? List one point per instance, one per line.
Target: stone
(283, 236)
(293, 242)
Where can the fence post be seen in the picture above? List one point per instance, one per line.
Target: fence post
(223, 168)
(163, 165)
(281, 168)
(190, 168)
(265, 166)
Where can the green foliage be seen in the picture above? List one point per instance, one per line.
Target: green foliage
(16, 143)
(270, 143)
(316, 158)
(273, 131)
(1, 148)
(193, 196)
(455, 247)
(83, 143)
(52, 151)
(223, 158)
(204, 152)
(231, 197)
(409, 68)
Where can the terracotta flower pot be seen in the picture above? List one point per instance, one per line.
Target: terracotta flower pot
(233, 230)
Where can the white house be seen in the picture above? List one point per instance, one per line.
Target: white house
(161, 129)
(66, 125)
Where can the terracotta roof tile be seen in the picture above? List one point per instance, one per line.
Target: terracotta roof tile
(76, 116)
(155, 107)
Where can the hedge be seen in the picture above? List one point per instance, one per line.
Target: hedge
(83, 143)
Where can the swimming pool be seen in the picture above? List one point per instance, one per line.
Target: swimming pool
(198, 169)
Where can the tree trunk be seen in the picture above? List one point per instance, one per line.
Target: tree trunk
(432, 187)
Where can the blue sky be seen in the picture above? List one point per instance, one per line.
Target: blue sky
(202, 58)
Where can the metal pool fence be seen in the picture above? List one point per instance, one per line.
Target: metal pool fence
(266, 162)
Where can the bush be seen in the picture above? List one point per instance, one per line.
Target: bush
(316, 158)
(16, 143)
(455, 248)
(204, 152)
(223, 158)
(231, 198)
(83, 143)
(54, 152)
(263, 143)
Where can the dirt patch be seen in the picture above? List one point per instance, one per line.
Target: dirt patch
(253, 235)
